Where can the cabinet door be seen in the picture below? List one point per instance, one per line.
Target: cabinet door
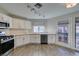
(27, 39)
(22, 24)
(35, 38)
(6, 18)
(2, 17)
(32, 39)
(18, 41)
(28, 25)
(15, 23)
(51, 39)
(9, 20)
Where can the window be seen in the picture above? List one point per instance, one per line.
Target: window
(35, 28)
(39, 29)
(63, 32)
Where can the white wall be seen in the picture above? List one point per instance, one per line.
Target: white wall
(51, 26)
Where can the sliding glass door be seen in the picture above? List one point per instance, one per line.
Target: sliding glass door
(63, 32)
(77, 33)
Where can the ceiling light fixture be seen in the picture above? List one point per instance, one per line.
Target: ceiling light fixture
(35, 11)
(70, 5)
(38, 5)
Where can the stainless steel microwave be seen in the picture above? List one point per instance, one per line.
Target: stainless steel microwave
(4, 25)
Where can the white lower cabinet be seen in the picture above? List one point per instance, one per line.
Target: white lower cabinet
(21, 40)
(26, 39)
(35, 39)
(18, 41)
(51, 39)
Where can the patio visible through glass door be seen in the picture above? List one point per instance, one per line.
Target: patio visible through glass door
(77, 34)
(63, 32)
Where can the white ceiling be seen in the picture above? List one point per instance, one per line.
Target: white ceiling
(47, 11)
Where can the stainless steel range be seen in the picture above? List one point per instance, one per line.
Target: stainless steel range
(6, 43)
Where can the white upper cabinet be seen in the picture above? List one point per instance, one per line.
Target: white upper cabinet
(15, 23)
(21, 24)
(2, 18)
(28, 24)
(5, 18)
(9, 20)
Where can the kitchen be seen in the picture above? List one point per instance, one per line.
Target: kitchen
(16, 30)
(20, 32)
